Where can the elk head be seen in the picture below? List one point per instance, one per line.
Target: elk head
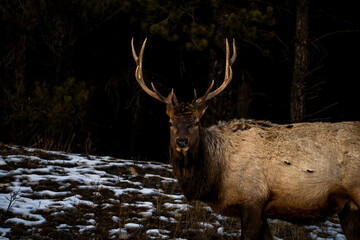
(184, 117)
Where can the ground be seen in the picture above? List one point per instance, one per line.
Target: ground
(56, 195)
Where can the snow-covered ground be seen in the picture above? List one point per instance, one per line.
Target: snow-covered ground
(53, 195)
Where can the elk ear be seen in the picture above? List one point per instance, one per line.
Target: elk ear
(172, 99)
(201, 109)
(169, 110)
(172, 102)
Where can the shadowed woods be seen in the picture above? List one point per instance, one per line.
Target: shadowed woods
(67, 75)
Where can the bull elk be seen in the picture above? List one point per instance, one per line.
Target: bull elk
(256, 169)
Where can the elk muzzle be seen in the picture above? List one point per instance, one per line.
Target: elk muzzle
(182, 144)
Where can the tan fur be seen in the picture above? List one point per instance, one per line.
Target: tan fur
(293, 168)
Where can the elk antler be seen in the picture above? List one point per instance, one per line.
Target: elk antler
(140, 79)
(228, 76)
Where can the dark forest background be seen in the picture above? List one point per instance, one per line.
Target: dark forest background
(67, 73)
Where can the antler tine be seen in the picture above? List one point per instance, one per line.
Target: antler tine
(136, 58)
(195, 94)
(195, 97)
(139, 74)
(228, 75)
(203, 98)
(162, 98)
(233, 58)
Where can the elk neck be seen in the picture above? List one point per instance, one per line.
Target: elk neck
(198, 170)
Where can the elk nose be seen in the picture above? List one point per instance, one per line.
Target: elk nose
(182, 143)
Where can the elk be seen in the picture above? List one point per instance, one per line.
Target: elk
(256, 170)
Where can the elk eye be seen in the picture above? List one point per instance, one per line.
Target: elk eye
(196, 124)
(170, 124)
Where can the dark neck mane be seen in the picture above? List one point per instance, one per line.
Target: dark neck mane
(198, 171)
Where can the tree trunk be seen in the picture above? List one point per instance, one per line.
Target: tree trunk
(301, 62)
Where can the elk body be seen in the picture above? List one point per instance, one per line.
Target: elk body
(257, 170)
